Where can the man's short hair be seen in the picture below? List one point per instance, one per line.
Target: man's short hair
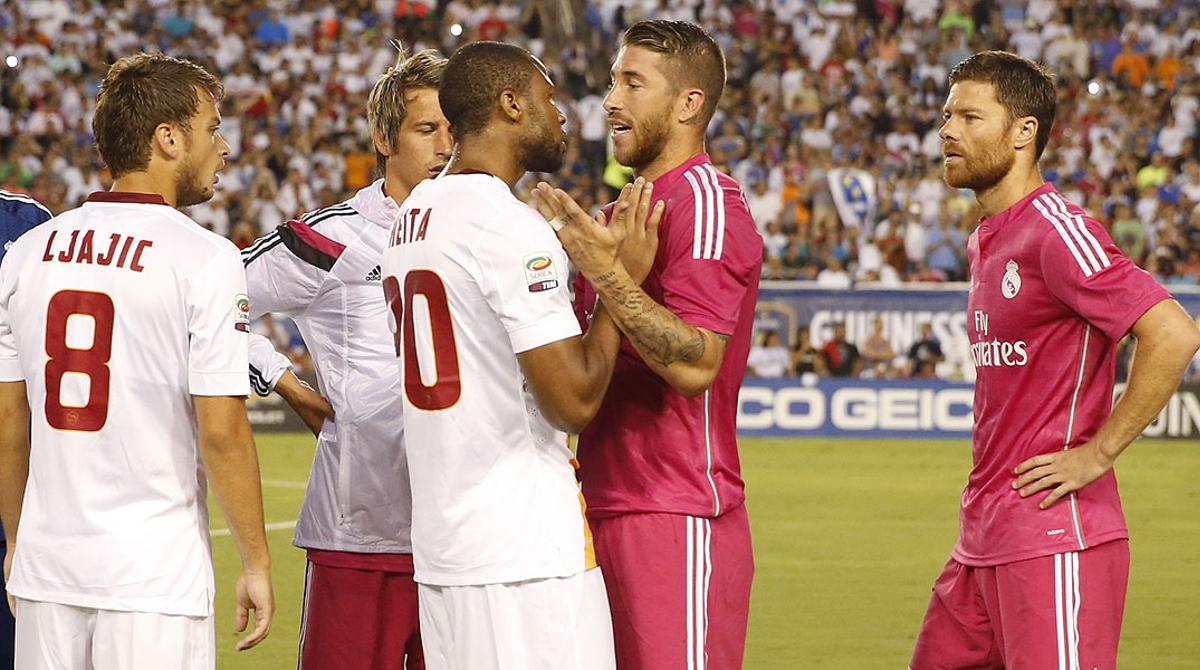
(139, 93)
(387, 104)
(474, 79)
(693, 57)
(1023, 88)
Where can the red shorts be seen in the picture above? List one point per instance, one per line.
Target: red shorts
(360, 612)
(678, 588)
(1060, 611)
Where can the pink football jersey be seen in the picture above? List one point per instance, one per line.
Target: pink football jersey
(650, 449)
(1051, 296)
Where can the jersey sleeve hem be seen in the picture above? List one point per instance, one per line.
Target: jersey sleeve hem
(10, 370)
(543, 332)
(708, 322)
(1122, 326)
(235, 383)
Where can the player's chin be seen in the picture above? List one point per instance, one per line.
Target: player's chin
(955, 176)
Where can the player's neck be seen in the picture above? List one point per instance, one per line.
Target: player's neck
(1009, 191)
(146, 182)
(672, 156)
(395, 188)
(482, 154)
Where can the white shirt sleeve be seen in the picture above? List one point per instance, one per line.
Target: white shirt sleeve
(10, 364)
(523, 275)
(277, 280)
(266, 365)
(218, 315)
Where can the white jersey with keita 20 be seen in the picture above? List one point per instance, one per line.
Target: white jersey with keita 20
(114, 315)
(474, 277)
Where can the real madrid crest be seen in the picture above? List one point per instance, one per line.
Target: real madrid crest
(1011, 284)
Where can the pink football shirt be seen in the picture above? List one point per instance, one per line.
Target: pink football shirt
(650, 449)
(1050, 298)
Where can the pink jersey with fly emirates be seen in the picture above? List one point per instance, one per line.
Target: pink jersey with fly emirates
(1051, 296)
(650, 449)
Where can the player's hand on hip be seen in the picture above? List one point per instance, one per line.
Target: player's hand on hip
(637, 225)
(592, 244)
(254, 592)
(1062, 471)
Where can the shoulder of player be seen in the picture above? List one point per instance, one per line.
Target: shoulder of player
(703, 186)
(23, 208)
(705, 202)
(1064, 230)
(338, 224)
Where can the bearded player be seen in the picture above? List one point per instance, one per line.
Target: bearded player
(1038, 576)
(659, 463)
(495, 373)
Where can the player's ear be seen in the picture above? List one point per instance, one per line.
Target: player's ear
(1026, 132)
(168, 139)
(381, 146)
(691, 106)
(510, 105)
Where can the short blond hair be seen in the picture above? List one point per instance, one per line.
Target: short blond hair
(386, 106)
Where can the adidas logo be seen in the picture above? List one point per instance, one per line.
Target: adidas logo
(374, 275)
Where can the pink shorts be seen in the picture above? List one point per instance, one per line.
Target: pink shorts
(678, 588)
(360, 613)
(1060, 611)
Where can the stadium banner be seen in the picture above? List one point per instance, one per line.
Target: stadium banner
(855, 408)
(920, 408)
(785, 306)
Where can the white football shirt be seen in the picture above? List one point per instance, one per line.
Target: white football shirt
(474, 277)
(115, 314)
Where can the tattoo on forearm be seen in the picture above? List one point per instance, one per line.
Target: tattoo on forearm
(663, 337)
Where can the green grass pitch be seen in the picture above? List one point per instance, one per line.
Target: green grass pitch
(848, 537)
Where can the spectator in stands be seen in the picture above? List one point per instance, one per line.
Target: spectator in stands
(768, 358)
(834, 275)
(839, 356)
(877, 352)
(1129, 233)
(1131, 67)
(805, 358)
(925, 354)
(947, 250)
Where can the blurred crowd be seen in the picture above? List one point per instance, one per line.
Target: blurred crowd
(814, 86)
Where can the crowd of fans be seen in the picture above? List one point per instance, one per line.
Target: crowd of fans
(814, 85)
(839, 358)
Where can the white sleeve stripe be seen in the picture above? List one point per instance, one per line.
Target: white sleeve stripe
(21, 197)
(1079, 223)
(1065, 217)
(710, 200)
(1070, 227)
(720, 193)
(1087, 271)
(698, 205)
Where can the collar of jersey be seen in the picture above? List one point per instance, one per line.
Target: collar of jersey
(127, 198)
(374, 205)
(668, 180)
(1018, 208)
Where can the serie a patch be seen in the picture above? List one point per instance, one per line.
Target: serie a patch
(241, 313)
(540, 272)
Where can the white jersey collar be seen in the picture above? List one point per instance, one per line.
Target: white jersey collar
(374, 206)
